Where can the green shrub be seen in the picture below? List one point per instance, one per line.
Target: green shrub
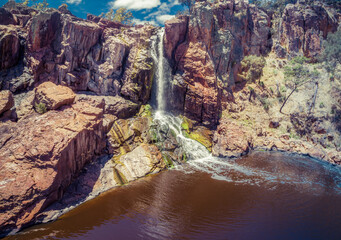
(40, 108)
(252, 68)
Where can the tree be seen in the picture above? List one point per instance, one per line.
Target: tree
(121, 15)
(187, 3)
(296, 74)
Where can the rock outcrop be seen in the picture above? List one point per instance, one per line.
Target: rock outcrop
(6, 101)
(304, 26)
(53, 96)
(206, 50)
(86, 55)
(41, 155)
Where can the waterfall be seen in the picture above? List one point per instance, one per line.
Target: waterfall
(158, 56)
(193, 149)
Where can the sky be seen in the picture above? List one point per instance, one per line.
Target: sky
(154, 11)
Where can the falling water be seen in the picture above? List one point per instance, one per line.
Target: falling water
(194, 150)
(158, 56)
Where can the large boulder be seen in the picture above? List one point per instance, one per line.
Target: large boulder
(39, 157)
(231, 139)
(53, 96)
(304, 26)
(143, 160)
(6, 101)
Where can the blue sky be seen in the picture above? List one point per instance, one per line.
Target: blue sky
(155, 11)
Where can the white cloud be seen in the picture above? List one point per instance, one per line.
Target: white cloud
(74, 1)
(162, 18)
(141, 22)
(134, 4)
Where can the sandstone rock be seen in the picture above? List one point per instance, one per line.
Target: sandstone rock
(9, 47)
(53, 96)
(117, 106)
(143, 160)
(231, 139)
(304, 26)
(39, 157)
(126, 135)
(175, 34)
(6, 101)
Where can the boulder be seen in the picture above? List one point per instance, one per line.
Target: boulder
(39, 157)
(231, 139)
(6, 101)
(53, 96)
(143, 160)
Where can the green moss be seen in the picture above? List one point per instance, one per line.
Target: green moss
(145, 111)
(201, 139)
(184, 157)
(168, 161)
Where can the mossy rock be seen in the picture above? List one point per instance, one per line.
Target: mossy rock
(203, 136)
(187, 124)
(145, 111)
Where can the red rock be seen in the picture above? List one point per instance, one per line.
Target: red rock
(216, 33)
(40, 155)
(230, 139)
(9, 47)
(304, 26)
(54, 96)
(6, 101)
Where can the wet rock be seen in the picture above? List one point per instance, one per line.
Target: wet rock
(6, 101)
(53, 96)
(39, 157)
(145, 159)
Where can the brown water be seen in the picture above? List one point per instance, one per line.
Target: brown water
(262, 196)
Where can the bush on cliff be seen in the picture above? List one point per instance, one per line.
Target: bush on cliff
(122, 15)
(252, 68)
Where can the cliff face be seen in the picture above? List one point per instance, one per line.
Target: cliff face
(205, 52)
(87, 55)
(303, 28)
